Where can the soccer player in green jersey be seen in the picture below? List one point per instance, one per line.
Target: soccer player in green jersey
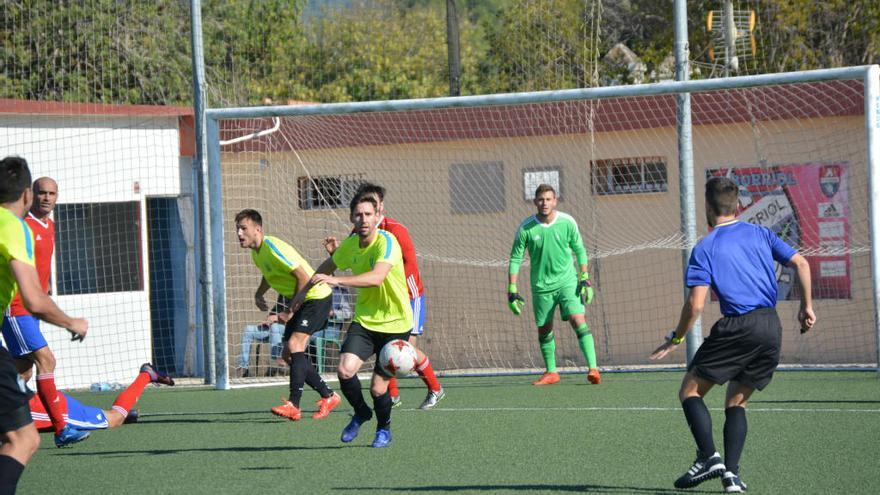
(19, 439)
(288, 273)
(551, 236)
(382, 312)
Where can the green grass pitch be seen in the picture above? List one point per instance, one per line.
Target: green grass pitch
(809, 432)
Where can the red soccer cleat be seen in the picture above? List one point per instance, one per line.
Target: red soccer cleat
(287, 410)
(593, 376)
(326, 405)
(548, 378)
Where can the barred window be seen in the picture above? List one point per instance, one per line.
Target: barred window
(646, 174)
(327, 192)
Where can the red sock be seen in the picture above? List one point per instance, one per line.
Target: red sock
(49, 395)
(426, 371)
(392, 387)
(129, 397)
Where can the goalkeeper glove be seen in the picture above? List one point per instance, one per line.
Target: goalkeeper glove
(585, 289)
(514, 300)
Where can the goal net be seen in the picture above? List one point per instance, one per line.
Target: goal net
(463, 179)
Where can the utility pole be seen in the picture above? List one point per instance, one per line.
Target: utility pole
(453, 49)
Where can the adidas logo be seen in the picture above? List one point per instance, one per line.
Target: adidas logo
(305, 323)
(39, 237)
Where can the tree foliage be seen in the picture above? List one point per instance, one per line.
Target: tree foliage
(130, 51)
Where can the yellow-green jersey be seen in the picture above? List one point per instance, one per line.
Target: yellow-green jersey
(276, 259)
(550, 248)
(16, 243)
(385, 308)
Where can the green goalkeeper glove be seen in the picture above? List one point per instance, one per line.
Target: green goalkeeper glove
(585, 289)
(514, 300)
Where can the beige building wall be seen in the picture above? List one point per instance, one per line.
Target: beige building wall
(633, 240)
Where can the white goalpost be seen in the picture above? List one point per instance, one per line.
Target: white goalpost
(460, 173)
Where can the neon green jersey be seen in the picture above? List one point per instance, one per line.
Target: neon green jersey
(550, 248)
(16, 243)
(385, 308)
(276, 259)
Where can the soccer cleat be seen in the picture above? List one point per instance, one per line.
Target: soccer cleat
(395, 401)
(157, 376)
(69, 436)
(132, 417)
(432, 399)
(593, 376)
(703, 469)
(326, 405)
(287, 410)
(548, 378)
(350, 432)
(383, 438)
(732, 483)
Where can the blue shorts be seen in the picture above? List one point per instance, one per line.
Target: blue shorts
(22, 335)
(85, 417)
(418, 308)
(78, 414)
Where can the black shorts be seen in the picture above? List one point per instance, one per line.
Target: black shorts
(311, 317)
(742, 348)
(364, 343)
(14, 396)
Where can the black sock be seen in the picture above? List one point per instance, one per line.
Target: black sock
(700, 422)
(351, 389)
(735, 429)
(314, 380)
(10, 472)
(382, 406)
(299, 366)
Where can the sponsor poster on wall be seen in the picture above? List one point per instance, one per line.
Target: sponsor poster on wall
(807, 206)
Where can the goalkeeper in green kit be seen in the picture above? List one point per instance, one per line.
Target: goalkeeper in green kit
(551, 237)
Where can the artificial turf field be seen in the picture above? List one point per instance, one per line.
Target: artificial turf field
(809, 432)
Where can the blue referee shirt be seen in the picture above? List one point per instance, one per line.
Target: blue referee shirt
(736, 260)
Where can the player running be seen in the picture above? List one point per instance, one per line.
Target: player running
(85, 417)
(382, 312)
(288, 273)
(550, 236)
(416, 297)
(736, 260)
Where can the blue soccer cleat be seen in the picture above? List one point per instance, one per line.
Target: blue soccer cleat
(69, 436)
(132, 417)
(383, 438)
(157, 376)
(350, 432)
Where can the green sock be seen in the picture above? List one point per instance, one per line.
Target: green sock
(548, 350)
(585, 340)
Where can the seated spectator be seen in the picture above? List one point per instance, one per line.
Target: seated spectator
(270, 330)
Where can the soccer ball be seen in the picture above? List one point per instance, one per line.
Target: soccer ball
(397, 358)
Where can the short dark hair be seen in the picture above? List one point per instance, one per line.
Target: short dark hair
(542, 188)
(722, 196)
(15, 177)
(252, 215)
(366, 197)
(370, 188)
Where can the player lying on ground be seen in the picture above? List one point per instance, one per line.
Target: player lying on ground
(83, 417)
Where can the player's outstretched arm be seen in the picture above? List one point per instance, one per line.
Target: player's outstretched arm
(372, 278)
(41, 305)
(806, 316)
(259, 298)
(690, 311)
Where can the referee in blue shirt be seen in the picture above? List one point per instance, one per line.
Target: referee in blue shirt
(737, 261)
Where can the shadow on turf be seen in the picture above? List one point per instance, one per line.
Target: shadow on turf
(526, 488)
(808, 401)
(120, 453)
